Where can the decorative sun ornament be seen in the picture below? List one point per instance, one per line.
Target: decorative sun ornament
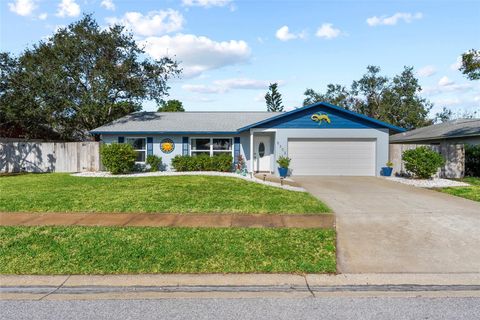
(167, 145)
(320, 117)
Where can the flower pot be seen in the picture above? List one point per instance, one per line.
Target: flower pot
(387, 171)
(283, 172)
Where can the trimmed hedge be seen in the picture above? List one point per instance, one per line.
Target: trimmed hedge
(422, 162)
(222, 163)
(472, 160)
(118, 157)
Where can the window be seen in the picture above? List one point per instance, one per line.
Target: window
(139, 145)
(261, 149)
(210, 146)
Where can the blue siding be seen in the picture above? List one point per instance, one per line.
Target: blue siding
(185, 146)
(149, 146)
(302, 119)
(236, 149)
(121, 139)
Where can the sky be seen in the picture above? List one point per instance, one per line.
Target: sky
(230, 50)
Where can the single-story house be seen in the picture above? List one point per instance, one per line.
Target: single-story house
(446, 138)
(320, 139)
(464, 131)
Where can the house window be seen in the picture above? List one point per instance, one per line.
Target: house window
(139, 145)
(210, 146)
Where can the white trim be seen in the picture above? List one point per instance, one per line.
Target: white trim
(211, 145)
(145, 150)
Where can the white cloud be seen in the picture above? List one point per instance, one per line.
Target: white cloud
(243, 83)
(43, 16)
(457, 64)
(226, 85)
(426, 71)
(153, 23)
(68, 8)
(22, 7)
(444, 81)
(200, 88)
(108, 4)
(198, 54)
(447, 101)
(394, 19)
(284, 34)
(446, 85)
(206, 3)
(327, 31)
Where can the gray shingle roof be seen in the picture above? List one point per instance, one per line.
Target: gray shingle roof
(447, 130)
(184, 122)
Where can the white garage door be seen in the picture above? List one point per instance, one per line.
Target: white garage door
(332, 157)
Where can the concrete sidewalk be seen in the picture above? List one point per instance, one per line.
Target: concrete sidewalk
(167, 220)
(72, 287)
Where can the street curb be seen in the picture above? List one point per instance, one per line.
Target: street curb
(245, 280)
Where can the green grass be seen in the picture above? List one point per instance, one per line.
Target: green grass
(472, 192)
(102, 250)
(174, 194)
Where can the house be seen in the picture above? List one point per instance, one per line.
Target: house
(464, 131)
(321, 139)
(446, 138)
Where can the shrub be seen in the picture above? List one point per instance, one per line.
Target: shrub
(154, 162)
(283, 162)
(222, 163)
(472, 160)
(422, 162)
(118, 157)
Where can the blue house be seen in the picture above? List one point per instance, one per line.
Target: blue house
(321, 139)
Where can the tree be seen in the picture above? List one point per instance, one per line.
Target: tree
(171, 106)
(336, 94)
(471, 64)
(80, 78)
(273, 98)
(444, 115)
(401, 103)
(396, 100)
(448, 114)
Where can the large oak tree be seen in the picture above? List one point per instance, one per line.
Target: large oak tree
(81, 77)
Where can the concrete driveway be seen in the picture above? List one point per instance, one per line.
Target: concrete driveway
(385, 226)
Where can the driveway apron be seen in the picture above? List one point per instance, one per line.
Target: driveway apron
(387, 227)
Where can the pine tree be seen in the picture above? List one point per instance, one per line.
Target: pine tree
(273, 98)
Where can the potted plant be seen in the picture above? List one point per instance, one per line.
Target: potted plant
(283, 163)
(387, 171)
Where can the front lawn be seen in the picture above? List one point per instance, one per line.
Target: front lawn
(102, 250)
(175, 194)
(472, 192)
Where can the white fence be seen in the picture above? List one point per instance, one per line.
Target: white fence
(454, 155)
(49, 156)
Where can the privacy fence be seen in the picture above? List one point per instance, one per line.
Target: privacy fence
(49, 156)
(454, 155)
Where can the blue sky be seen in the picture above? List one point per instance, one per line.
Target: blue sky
(231, 49)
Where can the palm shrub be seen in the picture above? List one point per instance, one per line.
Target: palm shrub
(422, 162)
(283, 162)
(118, 157)
(154, 162)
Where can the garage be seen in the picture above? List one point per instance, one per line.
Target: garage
(332, 157)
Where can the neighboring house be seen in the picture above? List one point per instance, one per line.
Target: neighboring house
(464, 131)
(447, 138)
(321, 139)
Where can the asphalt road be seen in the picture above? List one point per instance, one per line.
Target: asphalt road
(272, 308)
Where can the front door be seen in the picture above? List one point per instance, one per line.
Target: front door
(262, 154)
